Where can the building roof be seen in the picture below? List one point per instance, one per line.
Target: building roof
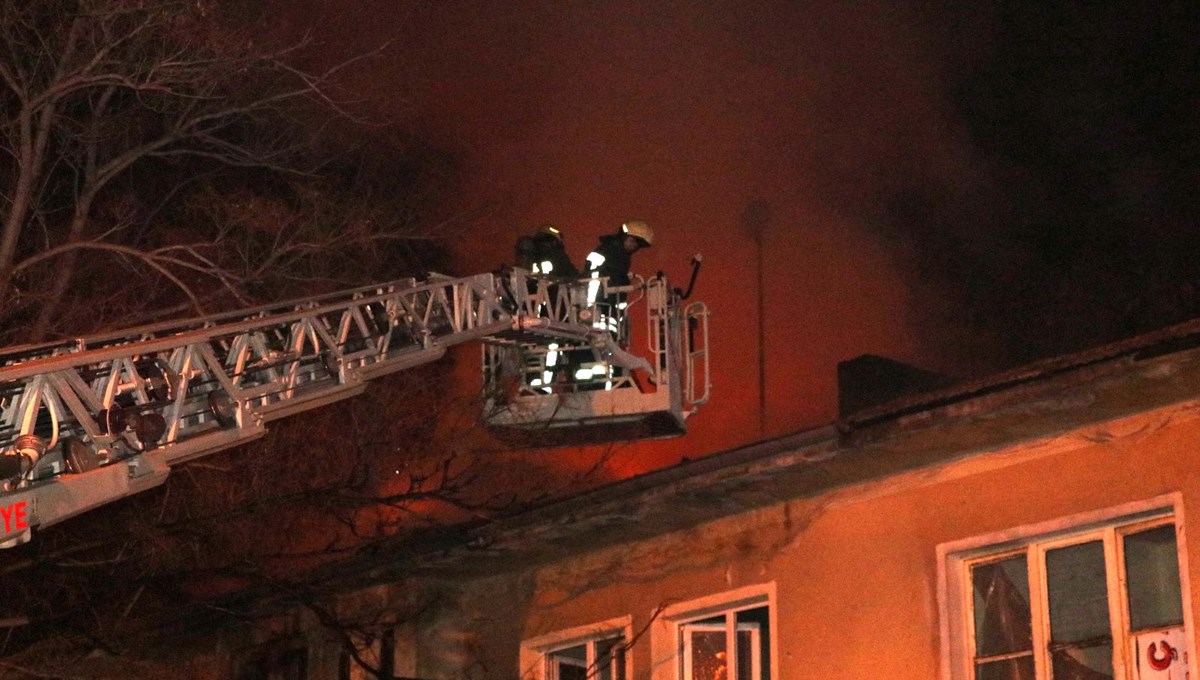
(1033, 402)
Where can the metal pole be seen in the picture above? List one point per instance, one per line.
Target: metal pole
(762, 353)
(755, 221)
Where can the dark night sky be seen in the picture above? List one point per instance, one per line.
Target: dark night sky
(962, 185)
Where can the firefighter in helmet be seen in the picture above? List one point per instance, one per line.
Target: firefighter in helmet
(612, 258)
(543, 253)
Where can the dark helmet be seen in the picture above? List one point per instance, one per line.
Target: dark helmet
(550, 230)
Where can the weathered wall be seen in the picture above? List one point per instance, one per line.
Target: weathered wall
(855, 570)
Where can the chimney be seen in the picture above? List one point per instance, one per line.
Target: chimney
(870, 380)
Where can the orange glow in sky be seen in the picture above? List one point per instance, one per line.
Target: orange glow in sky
(682, 114)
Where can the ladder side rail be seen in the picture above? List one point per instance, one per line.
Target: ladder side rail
(128, 389)
(450, 312)
(448, 307)
(375, 324)
(44, 364)
(657, 327)
(265, 370)
(82, 399)
(32, 400)
(539, 300)
(559, 299)
(298, 333)
(346, 321)
(514, 289)
(121, 372)
(73, 478)
(212, 388)
(535, 300)
(9, 355)
(18, 354)
(308, 344)
(235, 357)
(120, 376)
(697, 366)
(190, 430)
(183, 363)
(462, 312)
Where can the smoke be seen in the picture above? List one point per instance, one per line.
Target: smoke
(1075, 226)
(958, 185)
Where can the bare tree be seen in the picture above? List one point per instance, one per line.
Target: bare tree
(157, 160)
(284, 520)
(160, 161)
(146, 141)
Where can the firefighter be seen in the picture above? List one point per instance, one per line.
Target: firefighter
(611, 260)
(543, 253)
(612, 257)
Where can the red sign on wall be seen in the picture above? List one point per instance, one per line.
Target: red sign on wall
(15, 517)
(1162, 655)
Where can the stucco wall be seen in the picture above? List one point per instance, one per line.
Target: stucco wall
(855, 570)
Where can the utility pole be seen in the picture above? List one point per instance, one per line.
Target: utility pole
(754, 219)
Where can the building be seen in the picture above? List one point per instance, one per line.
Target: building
(1027, 526)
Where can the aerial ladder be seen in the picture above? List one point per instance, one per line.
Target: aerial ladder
(88, 421)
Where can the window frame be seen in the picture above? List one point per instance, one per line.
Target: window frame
(535, 652)
(274, 661)
(666, 634)
(379, 650)
(1109, 525)
(696, 626)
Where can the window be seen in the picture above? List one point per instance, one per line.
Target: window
(602, 659)
(1091, 604)
(593, 652)
(727, 636)
(707, 644)
(275, 663)
(379, 653)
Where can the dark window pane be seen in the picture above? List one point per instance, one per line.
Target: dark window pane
(1002, 623)
(610, 659)
(569, 663)
(277, 664)
(387, 653)
(295, 665)
(1083, 663)
(1152, 571)
(1078, 592)
(758, 619)
(708, 654)
(253, 671)
(1020, 668)
(745, 654)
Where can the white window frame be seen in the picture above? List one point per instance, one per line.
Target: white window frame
(669, 644)
(730, 642)
(1109, 525)
(535, 652)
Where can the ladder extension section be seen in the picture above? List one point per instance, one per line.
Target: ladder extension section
(86, 422)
